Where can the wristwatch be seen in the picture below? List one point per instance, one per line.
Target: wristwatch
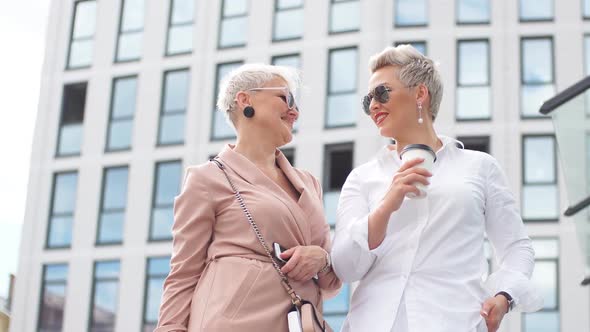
(328, 265)
(509, 298)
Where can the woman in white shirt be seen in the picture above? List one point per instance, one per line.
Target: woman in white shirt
(420, 262)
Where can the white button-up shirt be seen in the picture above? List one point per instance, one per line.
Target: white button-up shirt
(428, 273)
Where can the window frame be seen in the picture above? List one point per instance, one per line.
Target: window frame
(89, 326)
(147, 277)
(101, 209)
(153, 204)
(220, 25)
(171, 25)
(44, 283)
(56, 153)
(51, 207)
(521, 73)
(111, 109)
(333, 32)
(536, 20)
(212, 137)
(120, 33)
(71, 37)
(396, 24)
(162, 113)
(327, 126)
(470, 23)
(458, 81)
(274, 39)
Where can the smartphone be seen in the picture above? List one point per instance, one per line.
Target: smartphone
(278, 249)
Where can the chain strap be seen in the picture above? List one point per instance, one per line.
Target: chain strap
(295, 299)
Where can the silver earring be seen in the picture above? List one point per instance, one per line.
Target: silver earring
(420, 120)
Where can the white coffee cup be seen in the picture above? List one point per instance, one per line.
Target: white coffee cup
(414, 151)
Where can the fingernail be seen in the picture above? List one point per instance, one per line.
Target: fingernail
(485, 313)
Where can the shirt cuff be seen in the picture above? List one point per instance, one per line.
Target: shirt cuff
(527, 298)
(359, 232)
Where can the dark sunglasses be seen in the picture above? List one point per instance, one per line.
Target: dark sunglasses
(380, 94)
(287, 96)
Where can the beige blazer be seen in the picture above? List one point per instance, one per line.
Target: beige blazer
(221, 279)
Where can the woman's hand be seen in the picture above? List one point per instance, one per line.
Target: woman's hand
(493, 311)
(402, 184)
(304, 262)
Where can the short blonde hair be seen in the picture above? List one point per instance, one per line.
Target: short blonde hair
(250, 76)
(414, 69)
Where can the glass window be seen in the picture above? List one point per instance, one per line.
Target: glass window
(290, 155)
(173, 111)
(411, 13)
(473, 11)
(113, 205)
(344, 16)
(338, 161)
(545, 277)
(122, 111)
(536, 10)
(234, 23)
(180, 27)
(418, 45)
(288, 20)
(473, 80)
(343, 105)
(130, 31)
(72, 119)
(290, 60)
(539, 192)
(63, 205)
(105, 296)
(536, 74)
(586, 8)
(220, 128)
(157, 271)
(166, 185)
(476, 143)
(53, 297)
(82, 36)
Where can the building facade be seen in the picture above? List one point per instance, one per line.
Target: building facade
(127, 102)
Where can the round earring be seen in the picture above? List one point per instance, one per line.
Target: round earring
(420, 120)
(249, 112)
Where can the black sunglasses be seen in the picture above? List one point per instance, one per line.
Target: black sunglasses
(380, 94)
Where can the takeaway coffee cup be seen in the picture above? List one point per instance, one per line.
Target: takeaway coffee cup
(413, 151)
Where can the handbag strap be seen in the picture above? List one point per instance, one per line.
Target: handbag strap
(295, 299)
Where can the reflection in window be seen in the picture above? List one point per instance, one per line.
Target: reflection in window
(344, 16)
(105, 296)
(220, 128)
(157, 270)
(113, 205)
(473, 80)
(63, 205)
(122, 111)
(536, 10)
(173, 108)
(539, 191)
(53, 297)
(288, 20)
(343, 105)
(72, 119)
(410, 13)
(536, 74)
(420, 46)
(180, 27)
(166, 186)
(234, 23)
(545, 278)
(130, 31)
(473, 11)
(81, 40)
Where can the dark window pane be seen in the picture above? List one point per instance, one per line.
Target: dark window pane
(290, 155)
(477, 143)
(338, 164)
(72, 117)
(53, 298)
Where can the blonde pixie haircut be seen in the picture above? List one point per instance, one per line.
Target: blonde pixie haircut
(414, 69)
(250, 76)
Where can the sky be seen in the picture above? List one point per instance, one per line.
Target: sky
(22, 34)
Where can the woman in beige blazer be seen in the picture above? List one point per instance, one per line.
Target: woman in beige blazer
(221, 279)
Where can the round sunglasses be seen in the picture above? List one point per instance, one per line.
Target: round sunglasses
(380, 94)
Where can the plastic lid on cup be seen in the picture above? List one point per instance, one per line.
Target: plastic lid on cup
(418, 146)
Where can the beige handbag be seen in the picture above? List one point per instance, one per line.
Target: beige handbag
(310, 319)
